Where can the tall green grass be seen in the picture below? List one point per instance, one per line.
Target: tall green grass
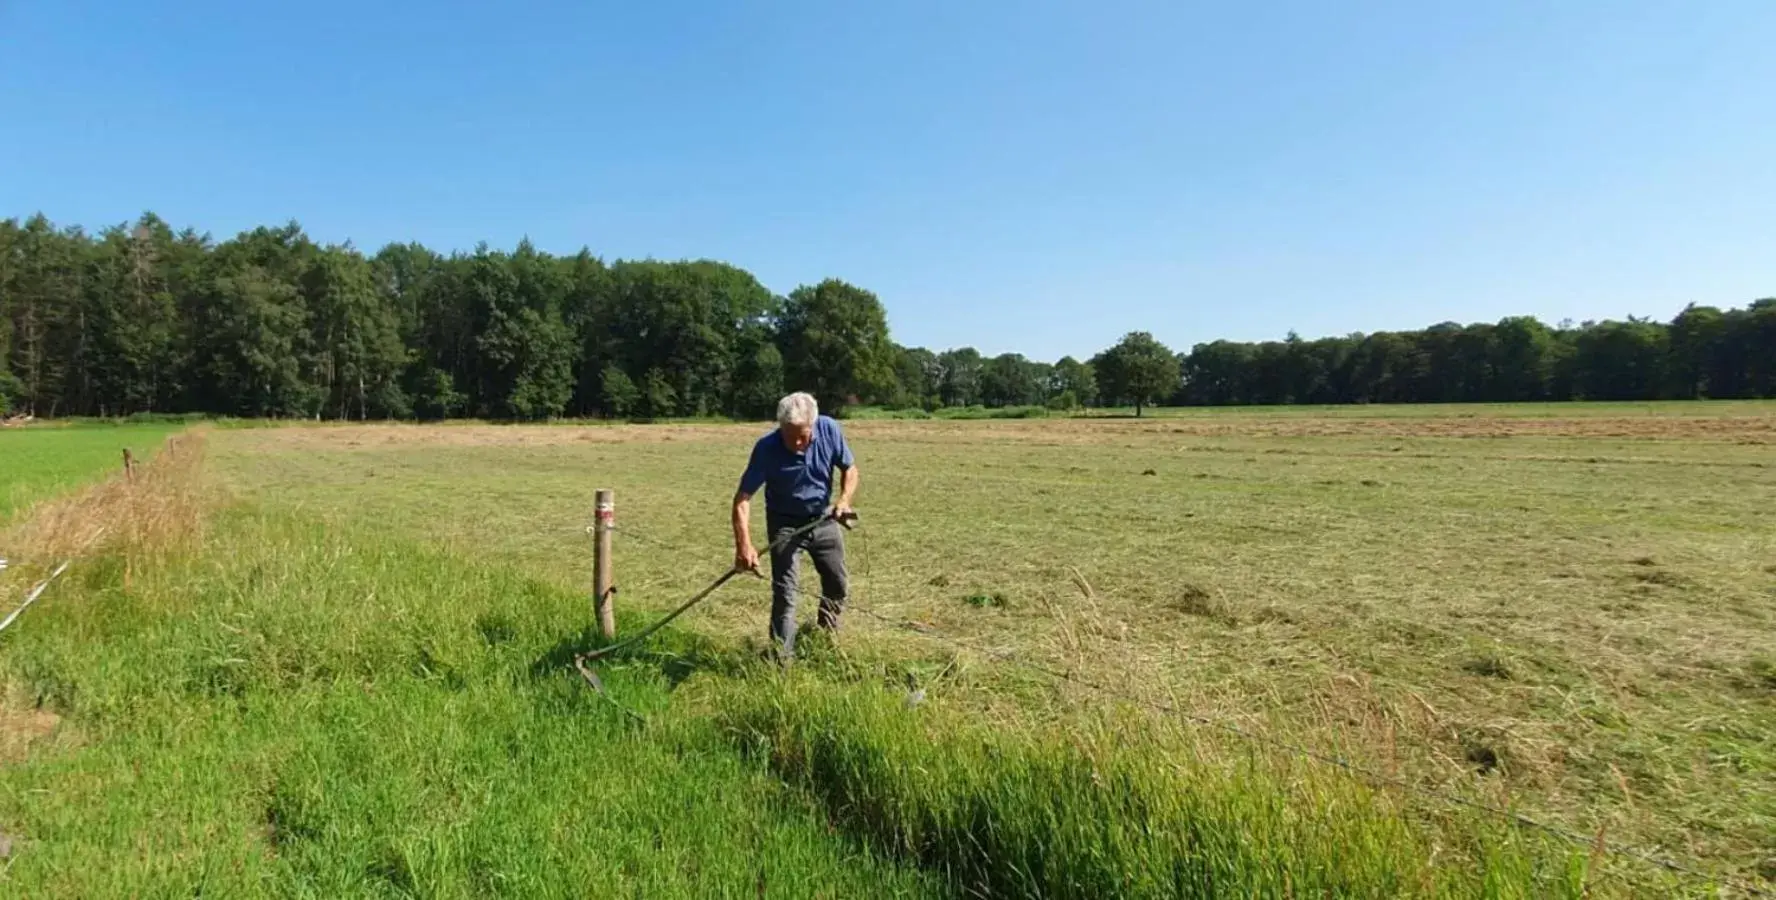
(300, 712)
(1112, 808)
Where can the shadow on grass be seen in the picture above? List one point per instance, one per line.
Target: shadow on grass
(676, 654)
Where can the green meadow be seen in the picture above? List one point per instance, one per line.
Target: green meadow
(41, 461)
(1082, 659)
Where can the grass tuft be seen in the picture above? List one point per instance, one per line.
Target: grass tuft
(1489, 665)
(1484, 757)
(496, 628)
(1763, 671)
(993, 600)
(1192, 600)
(1110, 808)
(1659, 578)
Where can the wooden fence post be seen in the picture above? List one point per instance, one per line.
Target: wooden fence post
(605, 522)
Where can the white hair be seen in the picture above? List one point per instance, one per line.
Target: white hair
(798, 408)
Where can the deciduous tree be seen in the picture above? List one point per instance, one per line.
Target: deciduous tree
(834, 341)
(1138, 370)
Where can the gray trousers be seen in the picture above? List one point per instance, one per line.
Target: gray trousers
(825, 544)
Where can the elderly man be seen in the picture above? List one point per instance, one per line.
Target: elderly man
(794, 464)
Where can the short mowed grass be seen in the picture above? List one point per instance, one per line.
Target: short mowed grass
(41, 461)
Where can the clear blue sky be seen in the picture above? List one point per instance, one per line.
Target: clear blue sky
(1026, 176)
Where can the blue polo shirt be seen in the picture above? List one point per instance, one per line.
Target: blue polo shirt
(797, 484)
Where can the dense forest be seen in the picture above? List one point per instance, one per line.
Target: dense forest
(140, 318)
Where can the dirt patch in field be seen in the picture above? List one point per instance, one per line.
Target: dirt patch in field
(21, 727)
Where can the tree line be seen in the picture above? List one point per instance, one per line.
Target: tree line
(140, 318)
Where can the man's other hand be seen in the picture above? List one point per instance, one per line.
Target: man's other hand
(746, 559)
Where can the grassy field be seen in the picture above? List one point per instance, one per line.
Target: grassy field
(41, 461)
(354, 679)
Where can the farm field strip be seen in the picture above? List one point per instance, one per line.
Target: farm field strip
(41, 461)
(1587, 642)
(251, 698)
(1592, 632)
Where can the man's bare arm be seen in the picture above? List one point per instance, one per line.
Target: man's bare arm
(745, 556)
(847, 489)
